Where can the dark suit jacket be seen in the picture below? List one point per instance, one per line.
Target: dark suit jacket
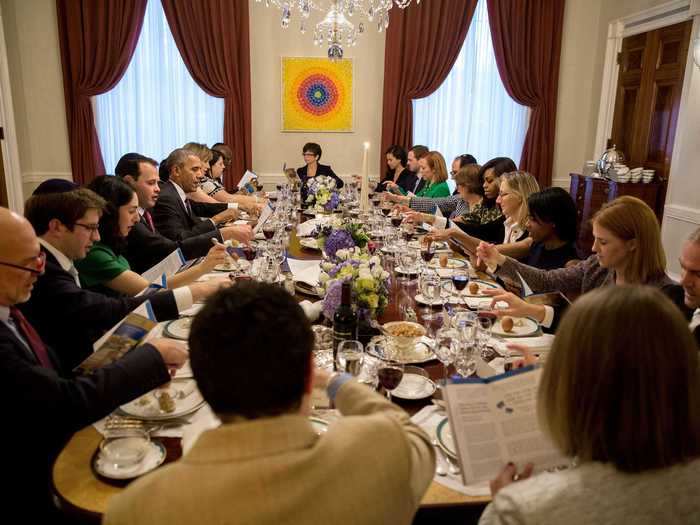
(70, 319)
(44, 407)
(146, 248)
(322, 169)
(407, 181)
(174, 222)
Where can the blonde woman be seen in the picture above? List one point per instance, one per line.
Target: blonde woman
(620, 392)
(627, 250)
(515, 188)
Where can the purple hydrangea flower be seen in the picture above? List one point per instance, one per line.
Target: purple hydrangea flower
(338, 240)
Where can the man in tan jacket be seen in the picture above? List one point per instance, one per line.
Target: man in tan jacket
(250, 350)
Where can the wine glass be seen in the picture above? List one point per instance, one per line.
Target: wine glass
(465, 324)
(460, 280)
(430, 287)
(427, 251)
(390, 374)
(445, 347)
(409, 262)
(350, 357)
(484, 325)
(464, 361)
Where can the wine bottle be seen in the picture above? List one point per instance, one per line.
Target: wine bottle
(344, 320)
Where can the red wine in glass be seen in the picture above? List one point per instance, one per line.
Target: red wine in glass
(427, 254)
(386, 211)
(396, 221)
(288, 226)
(249, 252)
(407, 235)
(269, 233)
(371, 247)
(389, 377)
(376, 201)
(460, 282)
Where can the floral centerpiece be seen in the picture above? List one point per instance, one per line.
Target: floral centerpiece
(370, 282)
(321, 194)
(338, 236)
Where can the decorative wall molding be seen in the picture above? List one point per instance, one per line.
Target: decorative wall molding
(682, 213)
(41, 176)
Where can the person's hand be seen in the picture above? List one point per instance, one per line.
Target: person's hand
(509, 475)
(200, 291)
(459, 219)
(391, 197)
(528, 357)
(516, 306)
(229, 214)
(174, 353)
(241, 233)
(215, 256)
(488, 253)
(417, 217)
(390, 185)
(439, 235)
(320, 378)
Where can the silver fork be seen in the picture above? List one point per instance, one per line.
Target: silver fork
(451, 466)
(440, 459)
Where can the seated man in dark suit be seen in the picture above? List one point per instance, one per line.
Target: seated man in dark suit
(44, 404)
(146, 247)
(69, 318)
(690, 280)
(177, 217)
(266, 464)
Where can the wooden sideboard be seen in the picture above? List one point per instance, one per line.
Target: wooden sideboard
(590, 193)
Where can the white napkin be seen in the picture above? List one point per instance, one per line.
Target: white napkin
(306, 271)
(306, 228)
(539, 345)
(428, 419)
(312, 310)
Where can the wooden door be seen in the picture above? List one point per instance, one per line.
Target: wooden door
(648, 97)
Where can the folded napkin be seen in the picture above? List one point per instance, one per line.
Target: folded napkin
(306, 271)
(428, 419)
(312, 310)
(538, 345)
(306, 228)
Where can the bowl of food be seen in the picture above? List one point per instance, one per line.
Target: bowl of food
(403, 334)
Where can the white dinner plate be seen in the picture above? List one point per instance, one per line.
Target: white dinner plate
(240, 265)
(320, 425)
(414, 386)
(445, 439)
(400, 270)
(184, 393)
(522, 327)
(452, 263)
(420, 353)
(154, 458)
(421, 299)
(178, 328)
(483, 285)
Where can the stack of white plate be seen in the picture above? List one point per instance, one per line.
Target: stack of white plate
(634, 175)
(622, 172)
(647, 176)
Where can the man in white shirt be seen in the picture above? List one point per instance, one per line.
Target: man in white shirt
(690, 279)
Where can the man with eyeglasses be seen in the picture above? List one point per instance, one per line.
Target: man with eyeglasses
(69, 318)
(44, 404)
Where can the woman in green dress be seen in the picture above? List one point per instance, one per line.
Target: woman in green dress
(434, 171)
(105, 269)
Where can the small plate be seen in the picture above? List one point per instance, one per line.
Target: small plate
(401, 271)
(523, 327)
(452, 263)
(443, 433)
(178, 328)
(154, 458)
(414, 386)
(147, 406)
(309, 243)
(320, 425)
(421, 353)
(306, 289)
(483, 285)
(240, 265)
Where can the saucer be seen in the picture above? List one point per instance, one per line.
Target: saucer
(154, 458)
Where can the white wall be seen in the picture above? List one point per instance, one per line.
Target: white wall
(34, 60)
(343, 151)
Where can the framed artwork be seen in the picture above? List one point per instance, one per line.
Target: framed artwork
(317, 95)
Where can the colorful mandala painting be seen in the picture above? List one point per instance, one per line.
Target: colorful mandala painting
(316, 94)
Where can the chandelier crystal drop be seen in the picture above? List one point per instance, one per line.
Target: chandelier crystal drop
(336, 30)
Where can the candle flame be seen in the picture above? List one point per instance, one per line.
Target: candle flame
(366, 145)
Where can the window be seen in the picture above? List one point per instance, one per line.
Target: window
(471, 112)
(157, 106)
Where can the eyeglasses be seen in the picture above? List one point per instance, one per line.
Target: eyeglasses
(40, 265)
(502, 194)
(309, 154)
(92, 227)
(453, 172)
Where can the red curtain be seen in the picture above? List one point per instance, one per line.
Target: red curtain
(97, 41)
(422, 44)
(213, 39)
(527, 42)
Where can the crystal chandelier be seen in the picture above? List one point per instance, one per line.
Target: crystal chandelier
(336, 30)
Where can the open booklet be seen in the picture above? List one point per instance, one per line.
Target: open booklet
(493, 421)
(125, 336)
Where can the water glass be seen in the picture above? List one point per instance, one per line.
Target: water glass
(350, 357)
(465, 360)
(445, 347)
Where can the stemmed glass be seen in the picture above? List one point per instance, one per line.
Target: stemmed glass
(484, 326)
(464, 361)
(430, 287)
(350, 357)
(427, 251)
(390, 374)
(409, 262)
(460, 280)
(445, 347)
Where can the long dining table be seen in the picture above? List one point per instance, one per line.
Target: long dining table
(83, 494)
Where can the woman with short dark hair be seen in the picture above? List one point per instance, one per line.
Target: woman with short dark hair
(312, 155)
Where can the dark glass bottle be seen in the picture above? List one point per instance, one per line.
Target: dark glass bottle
(344, 321)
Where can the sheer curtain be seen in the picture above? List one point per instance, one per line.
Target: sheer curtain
(157, 106)
(471, 111)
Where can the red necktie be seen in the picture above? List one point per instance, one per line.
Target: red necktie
(149, 220)
(31, 336)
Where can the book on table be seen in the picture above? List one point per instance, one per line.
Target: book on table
(493, 421)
